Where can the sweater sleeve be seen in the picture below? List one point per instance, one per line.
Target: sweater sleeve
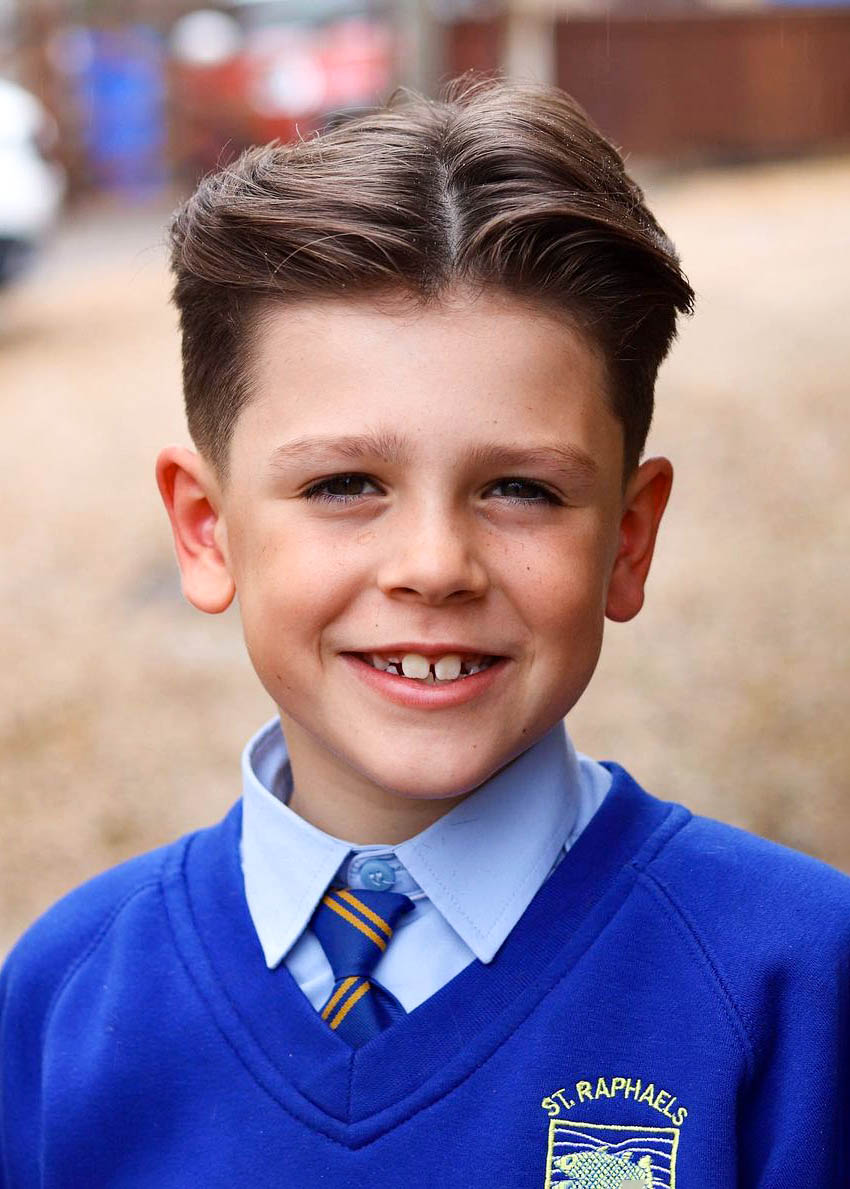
(776, 926)
(32, 978)
(795, 1115)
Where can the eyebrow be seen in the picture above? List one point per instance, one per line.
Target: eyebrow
(569, 458)
(392, 449)
(389, 448)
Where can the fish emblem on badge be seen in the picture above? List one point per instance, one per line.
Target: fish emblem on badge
(605, 1170)
(610, 1156)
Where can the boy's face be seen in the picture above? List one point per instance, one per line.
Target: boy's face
(441, 482)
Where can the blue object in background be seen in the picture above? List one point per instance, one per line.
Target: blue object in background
(123, 99)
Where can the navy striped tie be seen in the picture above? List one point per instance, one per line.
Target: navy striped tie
(354, 929)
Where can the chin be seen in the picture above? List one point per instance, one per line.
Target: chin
(433, 782)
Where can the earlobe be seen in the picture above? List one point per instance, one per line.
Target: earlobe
(646, 498)
(190, 494)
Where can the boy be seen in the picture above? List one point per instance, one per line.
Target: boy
(432, 945)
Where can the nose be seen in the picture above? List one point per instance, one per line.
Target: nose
(432, 557)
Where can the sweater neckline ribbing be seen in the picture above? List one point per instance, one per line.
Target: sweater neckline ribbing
(356, 1095)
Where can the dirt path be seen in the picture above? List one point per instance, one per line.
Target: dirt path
(123, 711)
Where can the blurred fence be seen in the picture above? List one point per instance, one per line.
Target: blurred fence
(731, 84)
(696, 85)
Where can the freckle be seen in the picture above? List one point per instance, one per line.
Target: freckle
(365, 538)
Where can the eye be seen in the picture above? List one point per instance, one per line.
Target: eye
(522, 491)
(341, 489)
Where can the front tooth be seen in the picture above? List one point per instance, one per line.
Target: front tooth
(414, 665)
(378, 662)
(447, 667)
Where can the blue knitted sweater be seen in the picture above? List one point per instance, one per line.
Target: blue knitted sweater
(670, 1012)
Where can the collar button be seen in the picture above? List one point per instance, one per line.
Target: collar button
(377, 875)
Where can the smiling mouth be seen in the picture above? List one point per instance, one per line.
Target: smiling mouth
(443, 670)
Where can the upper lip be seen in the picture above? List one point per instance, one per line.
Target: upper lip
(430, 650)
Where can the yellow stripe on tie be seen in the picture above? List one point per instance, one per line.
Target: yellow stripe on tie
(353, 998)
(367, 912)
(353, 920)
(344, 986)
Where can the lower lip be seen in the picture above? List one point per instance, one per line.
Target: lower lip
(407, 691)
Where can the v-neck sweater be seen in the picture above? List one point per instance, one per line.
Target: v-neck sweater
(671, 1009)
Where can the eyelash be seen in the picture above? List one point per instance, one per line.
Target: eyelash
(320, 493)
(544, 496)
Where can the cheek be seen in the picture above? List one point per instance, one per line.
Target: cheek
(562, 581)
(290, 587)
(567, 623)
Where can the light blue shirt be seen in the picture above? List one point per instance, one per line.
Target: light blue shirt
(471, 875)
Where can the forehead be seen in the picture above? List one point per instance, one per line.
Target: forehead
(472, 368)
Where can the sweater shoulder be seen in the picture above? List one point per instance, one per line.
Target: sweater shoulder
(62, 938)
(763, 915)
(718, 873)
(769, 925)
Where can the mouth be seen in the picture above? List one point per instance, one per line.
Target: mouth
(443, 668)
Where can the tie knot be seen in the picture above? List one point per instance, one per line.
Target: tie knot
(355, 928)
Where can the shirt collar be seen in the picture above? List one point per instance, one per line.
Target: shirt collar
(480, 865)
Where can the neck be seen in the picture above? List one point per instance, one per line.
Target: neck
(347, 805)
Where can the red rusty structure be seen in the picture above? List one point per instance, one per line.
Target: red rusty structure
(697, 85)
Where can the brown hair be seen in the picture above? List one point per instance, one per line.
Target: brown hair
(496, 184)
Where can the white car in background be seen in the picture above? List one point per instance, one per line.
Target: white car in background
(31, 186)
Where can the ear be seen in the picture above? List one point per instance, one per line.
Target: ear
(192, 499)
(646, 498)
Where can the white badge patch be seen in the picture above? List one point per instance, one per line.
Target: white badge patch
(607, 1156)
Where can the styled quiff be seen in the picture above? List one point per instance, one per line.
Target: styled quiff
(497, 185)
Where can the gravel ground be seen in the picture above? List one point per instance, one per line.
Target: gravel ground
(123, 710)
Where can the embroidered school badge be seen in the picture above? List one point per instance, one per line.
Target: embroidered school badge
(596, 1155)
(605, 1156)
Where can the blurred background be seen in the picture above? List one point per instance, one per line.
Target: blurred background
(123, 710)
